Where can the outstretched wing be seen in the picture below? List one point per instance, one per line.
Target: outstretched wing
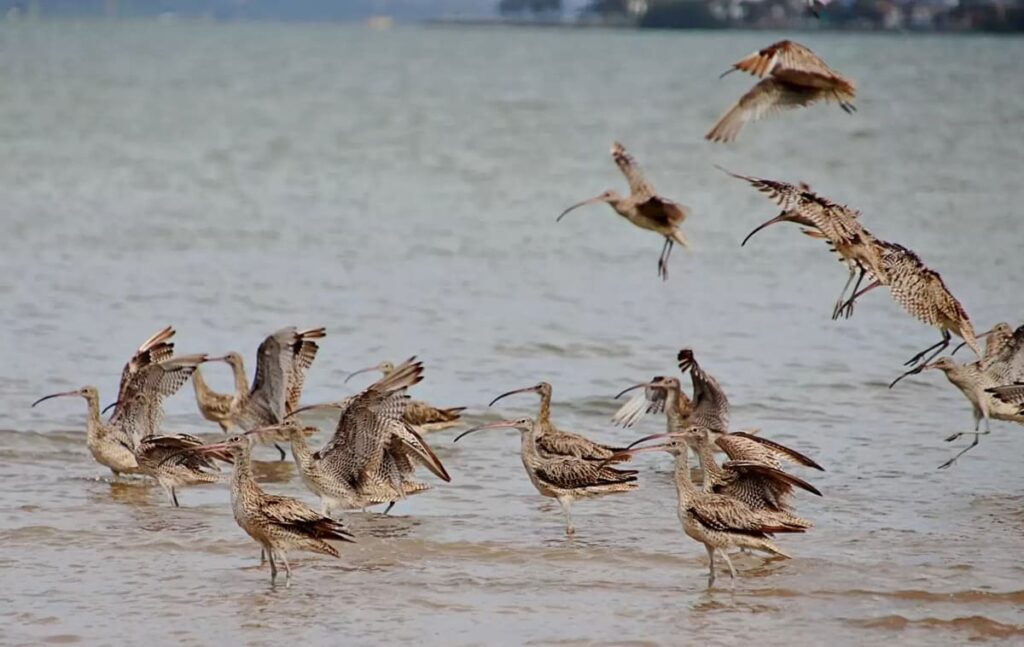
(710, 404)
(304, 352)
(768, 97)
(638, 184)
(155, 349)
(744, 447)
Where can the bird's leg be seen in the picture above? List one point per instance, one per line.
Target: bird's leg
(263, 556)
(977, 422)
(838, 310)
(273, 566)
(287, 568)
(281, 450)
(728, 562)
(565, 502)
(663, 260)
(388, 509)
(848, 306)
(923, 361)
(977, 437)
(174, 497)
(711, 565)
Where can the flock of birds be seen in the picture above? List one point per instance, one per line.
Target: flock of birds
(378, 443)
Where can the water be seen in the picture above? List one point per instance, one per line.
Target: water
(400, 188)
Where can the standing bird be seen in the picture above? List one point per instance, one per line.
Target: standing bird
(792, 77)
(720, 521)
(564, 478)
(419, 414)
(643, 207)
(281, 364)
(140, 414)
(921, 291)
(111, 443)
(277, 523)
(219, 407)
(371, 457)
(837, 224)
(551, 441)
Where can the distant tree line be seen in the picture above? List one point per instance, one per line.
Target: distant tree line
(534, 7)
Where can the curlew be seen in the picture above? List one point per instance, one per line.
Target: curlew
(220, 407)
(643, 207)
(425, 417)
(563, 478)
(837, 224)
(371, 457)
(553, 442)
(989, 385)
(277, 523)
(718, 521)
(281, 364)
(921, 292)
(650, 400)
(792, 76)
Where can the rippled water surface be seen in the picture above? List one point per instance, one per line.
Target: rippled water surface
(400, 188)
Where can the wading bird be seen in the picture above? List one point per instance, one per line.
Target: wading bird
(551, 441)
(277, 523)
(564, 478)
(643, 207)
(792, 77)
(425, 417)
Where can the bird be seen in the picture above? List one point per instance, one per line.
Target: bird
(425, 417)
(650, 400)
(988, 384)
(753, 474)
(139, 413)
(792, 77)
(277, 523)
(111, 443)
(553, 442)
(219, 407)
(282, 360)
(710, 404)
(720, 521)
(564, 478)
(837, 224)
(920, 291)
(643, 207)
(371, 457)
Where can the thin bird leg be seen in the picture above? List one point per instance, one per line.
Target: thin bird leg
(566, 503)
(388, 509)
(856, 295)
(663, 260)
(842, 295)
(711, 565)
(977, 423)
(977, 438)
(174, 497)
(263, 556)
(839, 309)
(273, 566)
(287, 568)
(939, 347)
(281, 449)
(728, 562)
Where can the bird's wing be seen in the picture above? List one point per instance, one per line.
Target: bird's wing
(286, 511)
(141, 412)
(710, 404)
(638, 184)
(1010, 394)
(787, 196)
(769, 96)
(1008, 365)
(787, 60)
(570, 473)
(267, 397)
(155, 349)
(783, 481)
(741, 446)
(726, 514)
(564, 443)
(650, 400)
(420, 450)
(663, 211)
(418, 413)
(304, 351)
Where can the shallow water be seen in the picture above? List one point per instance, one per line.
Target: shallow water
(400, 189)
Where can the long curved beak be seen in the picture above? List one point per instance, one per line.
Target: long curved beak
(782, 217)
(110, 406)
(660, 436)
(313, 407)
(219, 358)
(529, 389)
(501, 424)
(928, 367)
(635, 386)
(618, 456)
(362, 370)
(55, 395)
(578, 205)
(729, 71)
